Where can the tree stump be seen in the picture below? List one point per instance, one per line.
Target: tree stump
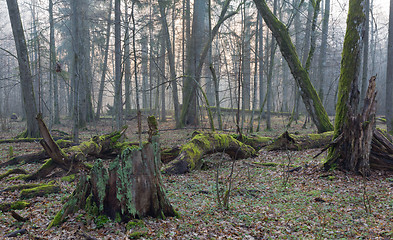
(131, 187)
(351, 150)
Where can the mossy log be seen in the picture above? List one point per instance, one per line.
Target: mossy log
(72, 159)
(205, 143)
(35, 157)
(39, 191)
(255, 141)
(18, 205)
(21, 187)
(169, 154)
(287, 141)
(131, 187)
(19, 140)
(12, 171)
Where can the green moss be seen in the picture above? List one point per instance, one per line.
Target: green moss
(101, 173)
(20, 205)
(88, 165)
(57, 219)
(69, 178)
(101, 220)
(125, 192)
(22, 186)
(91, 206)
(316, 137)
(39, 191)
(135, 223)
(137, 235)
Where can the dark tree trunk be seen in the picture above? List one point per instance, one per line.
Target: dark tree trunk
(24, 69)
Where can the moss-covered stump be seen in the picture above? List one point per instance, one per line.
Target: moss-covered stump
(205, 143)
(287, 141)
(18, 205)
(12, 171)
(39, 191)
(131, 187)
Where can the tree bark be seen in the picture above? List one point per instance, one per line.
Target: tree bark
(24, 69)
(310, 97)
(105, 65)
(389, 74)
(348, 94)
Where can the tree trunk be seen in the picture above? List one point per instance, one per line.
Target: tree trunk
(52, 66)
(24, 69)
(348, 96)
(389, 74)
(105, 64)
(365, 52)
(171, 61)
(322, 54)
(118, 101)
(308, 93)
(353, 146)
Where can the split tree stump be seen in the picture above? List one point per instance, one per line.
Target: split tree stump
(131, 187)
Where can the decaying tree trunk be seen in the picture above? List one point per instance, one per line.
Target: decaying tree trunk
(204, 143)
(72, 159)
(35, 157)
(287, 141)
(131, 187)
(360, 146)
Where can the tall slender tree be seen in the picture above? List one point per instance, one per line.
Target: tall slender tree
(24, 69)
(389, 74)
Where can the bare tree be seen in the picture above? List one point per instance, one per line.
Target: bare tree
(389, 74)
(24, 69)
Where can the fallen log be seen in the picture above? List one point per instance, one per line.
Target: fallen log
(35, 157)
(22, 186)
(29, 140)
(255, 141)
(287, 141)
(131, 187)
(18, 205)
(204, 143)
(39, 191)
(12, 171)
(72, 159)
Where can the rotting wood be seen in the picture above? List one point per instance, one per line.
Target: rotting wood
(362, 147)
(72, 159)
(287, 141)
(39, 191)
(131, 187)
(205, 143)
(35, 157)
(12, 171)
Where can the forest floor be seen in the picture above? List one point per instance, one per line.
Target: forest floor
(266, 201)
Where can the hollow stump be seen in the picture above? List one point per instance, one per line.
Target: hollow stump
(130, 187)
